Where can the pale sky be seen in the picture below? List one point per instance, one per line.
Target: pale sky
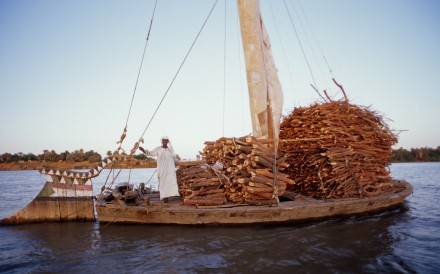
(68, 69)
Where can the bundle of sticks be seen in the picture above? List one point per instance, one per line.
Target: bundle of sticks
(337, 150)
(252, 168)
(201, 185)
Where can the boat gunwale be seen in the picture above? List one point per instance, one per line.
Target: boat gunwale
(245, 215)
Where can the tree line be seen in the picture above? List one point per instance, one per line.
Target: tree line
(51, 156)
(424, 154)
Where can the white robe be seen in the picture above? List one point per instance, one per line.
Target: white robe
(166, 171)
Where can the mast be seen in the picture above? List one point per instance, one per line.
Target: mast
(264, 88)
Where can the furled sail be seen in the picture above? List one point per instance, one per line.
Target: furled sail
(265, 93)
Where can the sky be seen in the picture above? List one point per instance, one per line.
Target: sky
(68, 69)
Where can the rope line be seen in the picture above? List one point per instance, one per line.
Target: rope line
(66, 218)
(316, 39)
(142, 62)
(117, 215)
(301, 25)
(151, 176)
(124, 132)
(178, 70)
(301, 46)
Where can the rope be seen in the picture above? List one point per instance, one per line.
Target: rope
(66, 218)
(308, 40)
(302, 48)
(106, 180)
(137, 78)
(316, 39)
(113, 180)
(178, 70)
(142, 62)
(107, 224)
(117, 215)
(151, 176)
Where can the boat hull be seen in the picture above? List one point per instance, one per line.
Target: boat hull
(301, 210)
(53, 209)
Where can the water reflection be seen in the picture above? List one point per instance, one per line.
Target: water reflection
(405, 240)
(364, 244)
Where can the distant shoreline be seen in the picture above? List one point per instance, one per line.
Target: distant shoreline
(65, 165)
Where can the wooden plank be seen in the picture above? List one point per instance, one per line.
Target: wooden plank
(48, 209)
(85, 210)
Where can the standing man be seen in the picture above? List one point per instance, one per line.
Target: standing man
(166, 169)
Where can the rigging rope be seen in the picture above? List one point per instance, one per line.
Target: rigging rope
(301, 46)
(142, 62)
(308, 41)
(316, 39)
(137, 79)
(177, 72)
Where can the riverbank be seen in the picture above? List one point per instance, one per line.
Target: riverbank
(65, 165)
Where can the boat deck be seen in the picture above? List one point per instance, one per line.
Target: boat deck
(299, 210)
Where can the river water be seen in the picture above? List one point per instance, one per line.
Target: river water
(405, 240)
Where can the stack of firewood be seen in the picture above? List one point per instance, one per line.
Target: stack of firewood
(201, 185)
(253, 169)
(337, 149)
(239, 170)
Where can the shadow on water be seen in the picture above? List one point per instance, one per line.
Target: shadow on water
(345, 246)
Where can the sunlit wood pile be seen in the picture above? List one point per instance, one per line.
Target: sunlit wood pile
(244, 170)
(337, 149)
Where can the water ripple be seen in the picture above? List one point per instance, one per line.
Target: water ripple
(405, 240)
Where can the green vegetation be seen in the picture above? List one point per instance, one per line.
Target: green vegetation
(424, 154)
(51, 156)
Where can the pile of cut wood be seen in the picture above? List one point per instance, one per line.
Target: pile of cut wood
(337, 149)
(244, 168)
(201, 185)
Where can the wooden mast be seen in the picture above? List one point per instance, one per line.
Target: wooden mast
(265, 93)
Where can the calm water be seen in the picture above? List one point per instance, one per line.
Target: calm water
(405, 240)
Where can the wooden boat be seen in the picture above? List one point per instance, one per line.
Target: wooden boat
(63, 201)
(299, 210)
(67, 195)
